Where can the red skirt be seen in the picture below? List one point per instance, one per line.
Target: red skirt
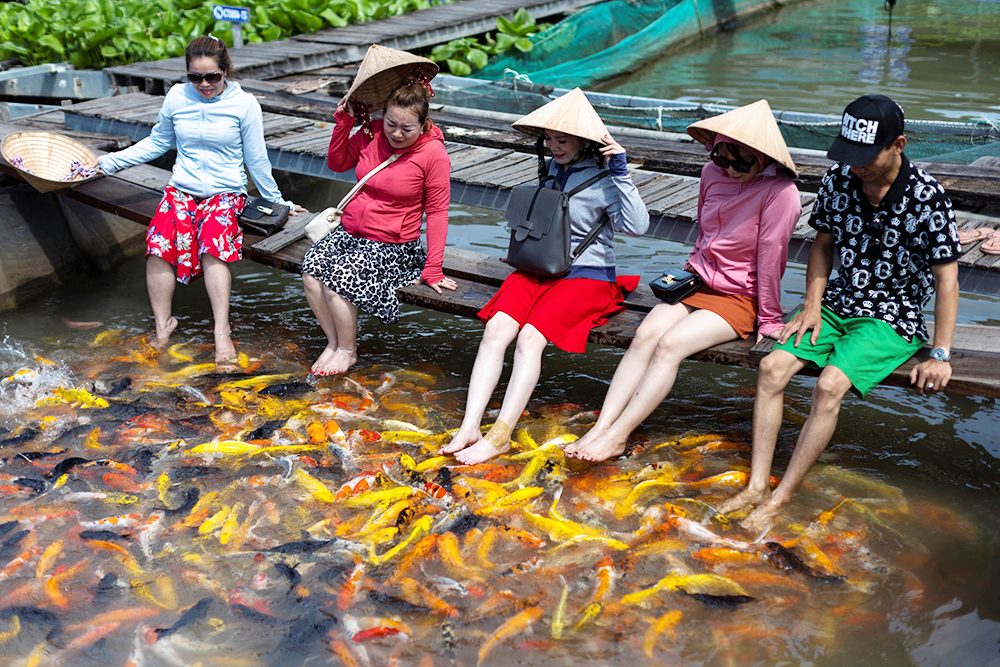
(185, 227)
(564, 310)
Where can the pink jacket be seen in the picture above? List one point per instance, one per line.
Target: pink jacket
(743, 234)
(391, 205)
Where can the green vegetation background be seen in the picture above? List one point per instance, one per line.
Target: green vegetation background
(91, 34)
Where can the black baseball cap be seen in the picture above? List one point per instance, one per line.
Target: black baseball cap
(869, 124)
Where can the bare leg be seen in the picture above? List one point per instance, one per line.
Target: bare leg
(523, 378)
(828, 395)
(698, 331)
(218, 284)
(500, 331)
(317, 301)
(160, 282)
(776, 370)
(345, 318)
(631, 369)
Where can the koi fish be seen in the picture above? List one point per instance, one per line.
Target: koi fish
(514, 626)
(664, 624)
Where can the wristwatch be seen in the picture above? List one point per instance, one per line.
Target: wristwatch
(941, 354)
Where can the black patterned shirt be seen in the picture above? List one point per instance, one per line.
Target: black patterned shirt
(886, 253)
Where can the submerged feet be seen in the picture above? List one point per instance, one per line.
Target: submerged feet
(163, 333)
(225, 351)
(471, 451)
(334, 360)
(597, 446)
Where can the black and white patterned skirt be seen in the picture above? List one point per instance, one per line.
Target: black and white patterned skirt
(367, 273)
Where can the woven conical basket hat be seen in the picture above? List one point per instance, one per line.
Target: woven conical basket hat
(381, 72)
(49, 156)
(753, 125)
(572, 113)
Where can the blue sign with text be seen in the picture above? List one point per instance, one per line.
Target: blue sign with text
(233, 14)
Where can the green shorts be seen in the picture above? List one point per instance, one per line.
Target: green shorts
(865, 349)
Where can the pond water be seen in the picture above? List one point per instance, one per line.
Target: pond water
(143, 539)
(941, 62)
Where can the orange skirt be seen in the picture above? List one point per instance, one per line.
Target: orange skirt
(739, 311)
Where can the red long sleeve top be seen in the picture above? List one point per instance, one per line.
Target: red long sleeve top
(391, 205)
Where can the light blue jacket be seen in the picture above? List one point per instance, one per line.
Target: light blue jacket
(615, 198)
(213, 137)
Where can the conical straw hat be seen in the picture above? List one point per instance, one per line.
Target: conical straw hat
(49, 158)
(572, 114)
(753, 125)
(381, 72)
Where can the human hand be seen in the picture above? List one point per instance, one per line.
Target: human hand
(931, 376)
(295, 209)
(345, 105)
(803, 321)
(774, 334)
(445, 282)
(610, 147)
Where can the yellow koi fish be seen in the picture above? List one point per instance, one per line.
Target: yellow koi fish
(314, 486)
(565, 531)
(420, 528)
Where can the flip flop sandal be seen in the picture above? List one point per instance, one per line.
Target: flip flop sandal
(967, 236)
(991, 246)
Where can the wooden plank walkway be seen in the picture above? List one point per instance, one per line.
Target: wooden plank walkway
(483, 176)
(135, 193)
(339, 46)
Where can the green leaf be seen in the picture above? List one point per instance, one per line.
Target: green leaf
(505, 26)
(53, 43)
(523, 45)
(504, 42)
(108, 51)
(477, 58)
(458, 68)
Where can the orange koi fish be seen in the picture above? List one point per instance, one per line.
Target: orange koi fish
(515, 626)
(664, 624)
(417, 594)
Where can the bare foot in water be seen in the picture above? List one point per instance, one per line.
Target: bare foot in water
(480, 452)
(601, 448)
(163, 335)
(336, 363)
(225, 351)
(746, 498)
(323, 360)
(572, 449)
(759, 522)
(463, 438)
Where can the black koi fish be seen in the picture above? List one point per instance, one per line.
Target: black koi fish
(267, 430)
(193, 614)
(287, 389)
(35, 615)
(103, 535)
(783, 559)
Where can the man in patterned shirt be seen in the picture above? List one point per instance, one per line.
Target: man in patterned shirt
(892, 227)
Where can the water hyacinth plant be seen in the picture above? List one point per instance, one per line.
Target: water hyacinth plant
(101, 33)
(465, 55)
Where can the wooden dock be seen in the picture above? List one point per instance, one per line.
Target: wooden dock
(134, 194)
(339, 46)
(483, 175)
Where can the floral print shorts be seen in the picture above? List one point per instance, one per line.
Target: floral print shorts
(181, 221)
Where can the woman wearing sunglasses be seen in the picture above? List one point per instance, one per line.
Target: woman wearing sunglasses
(747, 208)
(216, 127)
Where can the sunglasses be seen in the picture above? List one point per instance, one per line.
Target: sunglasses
(214, 77)
(739, 164)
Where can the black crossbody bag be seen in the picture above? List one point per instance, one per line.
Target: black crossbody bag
(263, 217)
(539, 224)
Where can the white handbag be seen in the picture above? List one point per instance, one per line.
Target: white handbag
(328, 219)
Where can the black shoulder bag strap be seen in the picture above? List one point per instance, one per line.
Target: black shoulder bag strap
(596, 229)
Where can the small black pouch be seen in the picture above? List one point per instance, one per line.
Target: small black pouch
(263, 217)
(675, 284)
